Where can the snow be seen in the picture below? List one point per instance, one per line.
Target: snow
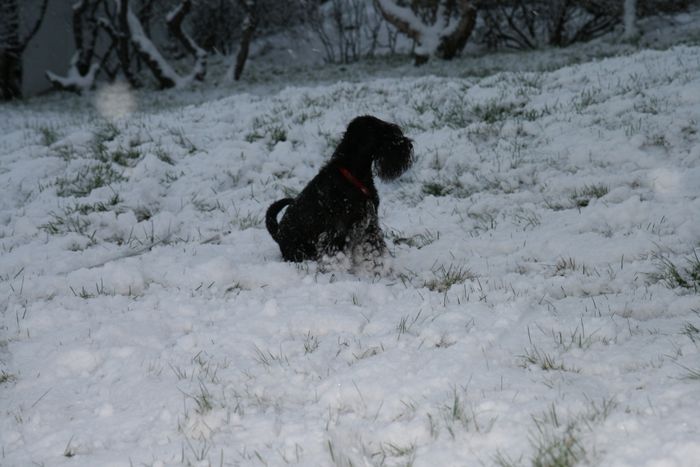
(153, 322)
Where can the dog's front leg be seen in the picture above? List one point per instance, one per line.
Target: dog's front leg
(374, 243)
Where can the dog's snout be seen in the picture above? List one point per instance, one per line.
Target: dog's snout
(402, 141)
(407, 144)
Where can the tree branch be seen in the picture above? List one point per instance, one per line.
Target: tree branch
(401, 17)
(123, 34)
(436, 31)
(37, 25)
(174, 21)
(453, 43)
(250, 23)
(82, 72)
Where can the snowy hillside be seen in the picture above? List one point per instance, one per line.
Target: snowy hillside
(542, 306)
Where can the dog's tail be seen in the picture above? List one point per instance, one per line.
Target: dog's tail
(271, 216)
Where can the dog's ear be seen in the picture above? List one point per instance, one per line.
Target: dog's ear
(361, 139)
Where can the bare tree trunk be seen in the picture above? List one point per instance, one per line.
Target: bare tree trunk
(123, 36)
(10, 74)
(145, 15)
(558, 23)
(630, 19)
(10, 55)
(250, 23)
(84, 53)
(12, 47)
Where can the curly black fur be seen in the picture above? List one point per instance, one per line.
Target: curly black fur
(337, 211)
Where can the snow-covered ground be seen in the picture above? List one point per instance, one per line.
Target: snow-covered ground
(542, 306)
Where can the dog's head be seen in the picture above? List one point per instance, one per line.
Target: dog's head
(383, 143)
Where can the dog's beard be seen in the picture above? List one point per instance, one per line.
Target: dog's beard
(394, 158)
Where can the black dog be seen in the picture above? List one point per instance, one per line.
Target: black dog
(337, 211)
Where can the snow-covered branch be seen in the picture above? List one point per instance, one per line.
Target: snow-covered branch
(403, 18)
(127, 37)
(444, 34)
(174, 20)
(82, 72)
(165, 74)
(75, 80)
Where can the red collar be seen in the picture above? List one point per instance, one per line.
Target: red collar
(352, 179)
